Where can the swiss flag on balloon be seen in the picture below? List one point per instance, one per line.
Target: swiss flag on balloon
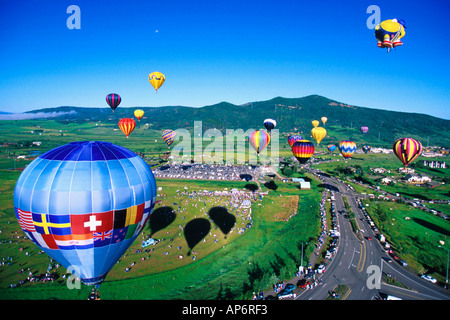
(91, 222)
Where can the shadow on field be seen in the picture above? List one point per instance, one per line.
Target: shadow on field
(431, 226)
(195, 230)
(252, 187)
(222, 218)
(161, 218)
(271, 185)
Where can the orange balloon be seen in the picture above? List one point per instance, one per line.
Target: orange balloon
(127, 125)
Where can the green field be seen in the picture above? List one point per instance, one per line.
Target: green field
(227, 263)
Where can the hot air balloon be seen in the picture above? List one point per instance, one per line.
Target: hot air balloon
(139, 114)
(84, 204)
(315, 123)
(156, 79)
(292, 139)
(303, 150)
(407, 150)
(364, 129)
(389, 33)
(318, 134)
(270, 124)
(331, 147)
(324, 120)
(347, 148)
(113, 100)
(259, 140)
(169, 136)
(366, 148)
(127, 125)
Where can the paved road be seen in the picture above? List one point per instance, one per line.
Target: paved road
(356, 253)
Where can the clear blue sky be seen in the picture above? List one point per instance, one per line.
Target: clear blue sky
(213, 51)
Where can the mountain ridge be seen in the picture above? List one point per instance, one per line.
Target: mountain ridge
(291, 114)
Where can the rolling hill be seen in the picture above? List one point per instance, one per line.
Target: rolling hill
(291, 114)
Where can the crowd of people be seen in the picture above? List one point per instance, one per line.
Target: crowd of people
(207, 172)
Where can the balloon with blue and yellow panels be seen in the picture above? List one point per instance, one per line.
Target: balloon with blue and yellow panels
(84, 203)
(389, 33)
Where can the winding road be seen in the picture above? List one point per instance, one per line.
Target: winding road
(356, 254)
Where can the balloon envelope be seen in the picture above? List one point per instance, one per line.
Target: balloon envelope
(84, 204)
(364, 129)
(113, 100)
(331, 147)
(318, 134)
(259, 140)
(407, 149)
(293, 138)
(127, 125)
(366, 148)
(156, 79)
(169, 136)
(303, 150)
(270, 124)
(139, 114)
(324, 120)
(315, 123)
(347, 148)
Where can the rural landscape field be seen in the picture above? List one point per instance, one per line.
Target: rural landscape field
(154, 151)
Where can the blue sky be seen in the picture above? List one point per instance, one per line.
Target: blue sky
(213, 51)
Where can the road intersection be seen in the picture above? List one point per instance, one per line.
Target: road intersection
(358, 257)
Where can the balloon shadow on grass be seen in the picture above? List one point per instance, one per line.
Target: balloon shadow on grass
(222, 218)
(161, 218)
(195, 230)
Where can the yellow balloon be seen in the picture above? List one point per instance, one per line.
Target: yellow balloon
(318, 134)
(156, 79)
(315, 123)
(324, 120)
(139, 114)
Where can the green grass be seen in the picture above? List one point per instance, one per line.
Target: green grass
(235, 266)
(413, 234)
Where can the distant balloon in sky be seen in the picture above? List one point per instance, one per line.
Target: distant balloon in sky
(407, 150)
(315, 123)
(389, 33)
(293, 138)
(113, 100)
(156, 79)
(347, 148)
(303, 150)
(364, 129)
(84, 204)
(270, 124)
(324, 120)
(127, 125)
(259, 140)
(331, 147)
(318, 134)
(138, 113)
(169, 136)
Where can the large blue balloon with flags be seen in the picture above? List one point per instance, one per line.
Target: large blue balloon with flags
(84, 204)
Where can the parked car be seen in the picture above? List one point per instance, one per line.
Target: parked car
(321, 269)
(403, 263)
(303, 283)
(289, 287)
(428, 278)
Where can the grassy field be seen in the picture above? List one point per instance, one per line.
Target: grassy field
(413, 234)
(226, 263)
